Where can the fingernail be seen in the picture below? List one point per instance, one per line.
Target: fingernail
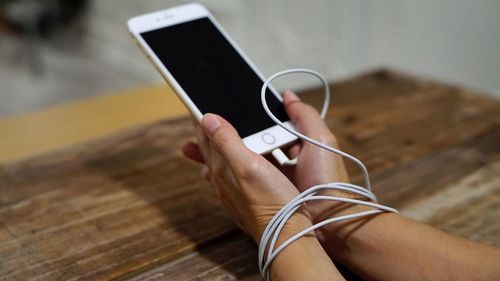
(210, 123)
(291, 96)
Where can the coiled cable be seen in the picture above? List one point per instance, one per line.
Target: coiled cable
(267, 246)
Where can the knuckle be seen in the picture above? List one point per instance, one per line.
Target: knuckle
(220, 141)
(329, 139)
(249, 170)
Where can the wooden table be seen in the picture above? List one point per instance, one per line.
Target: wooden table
(129, 207)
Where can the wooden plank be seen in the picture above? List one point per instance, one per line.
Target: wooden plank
(463, 202)
(129, 204)
(74, 213)
(469, 207)
(211, 263)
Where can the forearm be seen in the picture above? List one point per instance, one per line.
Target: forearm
(392, 247)
(303, 259)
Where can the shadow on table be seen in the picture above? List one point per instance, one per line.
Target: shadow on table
(174, 186)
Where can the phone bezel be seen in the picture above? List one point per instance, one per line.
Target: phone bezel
(189, 12)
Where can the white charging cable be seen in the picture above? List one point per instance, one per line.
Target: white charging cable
(267, 246)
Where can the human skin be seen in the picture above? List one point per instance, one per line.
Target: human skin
(386, 246)
(381, 247)
(252, 190)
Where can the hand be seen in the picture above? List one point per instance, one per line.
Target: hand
(315, 165)
(249, 186)
(253, 190)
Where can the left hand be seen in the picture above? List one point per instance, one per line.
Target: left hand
(251, 188)
(315, 165)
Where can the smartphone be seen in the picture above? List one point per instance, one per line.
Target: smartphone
(210, 73)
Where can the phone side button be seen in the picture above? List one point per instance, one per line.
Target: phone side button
(268, 138)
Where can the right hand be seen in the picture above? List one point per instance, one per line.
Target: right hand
(251, 188)
(315, 165)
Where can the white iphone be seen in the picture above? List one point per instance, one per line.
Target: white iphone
(209, 73)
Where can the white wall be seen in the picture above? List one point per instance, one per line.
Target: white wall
(454, 40)
(457, 41)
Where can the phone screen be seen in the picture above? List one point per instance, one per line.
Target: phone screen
(213, 74)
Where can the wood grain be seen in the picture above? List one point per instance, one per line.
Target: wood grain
(130, 207)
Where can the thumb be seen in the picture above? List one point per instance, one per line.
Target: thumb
(306, 118)
(225, 138)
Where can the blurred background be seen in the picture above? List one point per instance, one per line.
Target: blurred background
(58, 51)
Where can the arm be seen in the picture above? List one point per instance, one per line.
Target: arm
(253, 190)
(386, 246)
(391, 247)
(304, 259)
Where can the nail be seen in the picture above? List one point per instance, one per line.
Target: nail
(210, 123)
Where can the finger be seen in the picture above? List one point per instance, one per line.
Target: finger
(203, 145)
(192, 151)
(294, 151)
(306, 118)
(226, 140)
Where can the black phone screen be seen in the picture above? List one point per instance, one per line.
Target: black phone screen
(213, 74)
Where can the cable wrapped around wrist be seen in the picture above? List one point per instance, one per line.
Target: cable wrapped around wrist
(267, 246)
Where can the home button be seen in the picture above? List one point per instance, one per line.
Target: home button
(268, 138)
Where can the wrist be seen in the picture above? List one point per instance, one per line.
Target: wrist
(342, 235)
(290, 264)
(295, 224)
(335, 231)
(324, 209)
(299, 221)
